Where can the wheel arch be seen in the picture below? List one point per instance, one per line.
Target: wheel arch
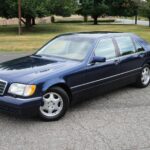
(148, 62)
(63, 86)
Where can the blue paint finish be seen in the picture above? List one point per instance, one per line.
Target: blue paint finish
(79, 76)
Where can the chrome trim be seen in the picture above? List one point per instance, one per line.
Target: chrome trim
(4, 87)
(29, 99)
(124, 56)
(105, 78)
(119, 57)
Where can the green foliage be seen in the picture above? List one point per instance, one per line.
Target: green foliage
(30, 8)
(33, 8)
(94, 8)
(145, 9)
(123, 7)
(37, 8)
(8, 8)
(62, 7)
(99, 8)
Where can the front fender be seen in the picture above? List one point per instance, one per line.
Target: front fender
(51, 83)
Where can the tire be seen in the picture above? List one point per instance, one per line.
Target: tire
(142, 81)
(55, 104)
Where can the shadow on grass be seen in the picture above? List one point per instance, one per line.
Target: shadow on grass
(48, 28)
(38, 29)
(8, 29)
(57, 28)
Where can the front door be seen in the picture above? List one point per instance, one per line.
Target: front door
(100, 74)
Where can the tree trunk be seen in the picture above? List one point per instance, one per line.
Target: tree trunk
(136, 18)
(28, 22)
(33, 21)
(85, 18)
(95, 20)
(149, 22)
(52, 19)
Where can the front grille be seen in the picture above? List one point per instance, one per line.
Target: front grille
(3, 85)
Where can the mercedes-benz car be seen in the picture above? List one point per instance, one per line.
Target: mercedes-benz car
(72, 67)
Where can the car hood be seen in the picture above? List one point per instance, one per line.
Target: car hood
(28, 68)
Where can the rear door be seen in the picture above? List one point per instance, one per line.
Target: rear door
(132, 56)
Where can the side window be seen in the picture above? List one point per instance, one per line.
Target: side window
(139, 48)
(106, 49)
(125, 45)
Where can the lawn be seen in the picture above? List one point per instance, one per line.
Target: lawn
(35, 37)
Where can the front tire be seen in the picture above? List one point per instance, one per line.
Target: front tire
(144, 77)
(55, 104)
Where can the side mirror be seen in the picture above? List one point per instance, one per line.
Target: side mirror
(98, 59)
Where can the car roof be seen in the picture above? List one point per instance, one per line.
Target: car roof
(96, 34)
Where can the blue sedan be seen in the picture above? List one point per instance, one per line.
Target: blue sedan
(70, 68)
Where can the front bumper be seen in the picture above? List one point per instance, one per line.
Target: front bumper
(20, 106)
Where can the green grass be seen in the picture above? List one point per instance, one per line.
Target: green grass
(35, 37)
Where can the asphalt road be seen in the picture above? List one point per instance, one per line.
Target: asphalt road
(129, 21)
(119, 120)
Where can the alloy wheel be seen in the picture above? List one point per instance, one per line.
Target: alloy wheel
(145, 78)
(53, 104)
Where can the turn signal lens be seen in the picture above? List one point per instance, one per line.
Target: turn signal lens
(29, 90)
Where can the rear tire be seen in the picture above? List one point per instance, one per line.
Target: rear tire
(55, 104)
(144, 77)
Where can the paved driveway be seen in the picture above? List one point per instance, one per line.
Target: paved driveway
(119, 120)
(132, 21)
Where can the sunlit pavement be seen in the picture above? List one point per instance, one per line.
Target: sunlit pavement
(119, 120)
(129, 21)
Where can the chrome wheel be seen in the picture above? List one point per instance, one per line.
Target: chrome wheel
(145, 76)
(53, 104)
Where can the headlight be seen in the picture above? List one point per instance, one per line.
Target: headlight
(22, 89)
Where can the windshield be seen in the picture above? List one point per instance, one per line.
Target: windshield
(67, 47)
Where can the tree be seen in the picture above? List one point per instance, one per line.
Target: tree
(136, 7)
(30, 10)
(93, 8)
(84, 10)
(62, 7)
(145, 10)
(8, 8)
(125, 8)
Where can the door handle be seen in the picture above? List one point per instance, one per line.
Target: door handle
(117, 61)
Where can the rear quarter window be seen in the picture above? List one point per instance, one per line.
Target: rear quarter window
(138, 46)
(125, 44)
(142, 42)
